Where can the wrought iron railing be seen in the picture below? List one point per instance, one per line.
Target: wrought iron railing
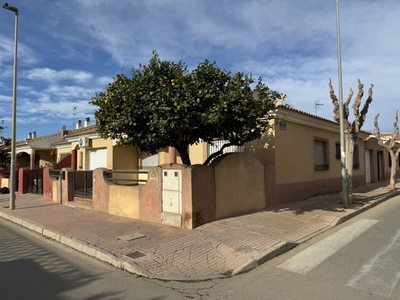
(126, 177)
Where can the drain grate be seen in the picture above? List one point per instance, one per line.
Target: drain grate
(136, 254)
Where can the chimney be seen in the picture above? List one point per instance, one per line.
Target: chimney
(34, 135)
(78, 124)
(87, 122)
(29, 135)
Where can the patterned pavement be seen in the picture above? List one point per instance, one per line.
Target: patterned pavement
(222, 248)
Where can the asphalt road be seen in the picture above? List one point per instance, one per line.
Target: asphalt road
(359, 259)
(32, 267)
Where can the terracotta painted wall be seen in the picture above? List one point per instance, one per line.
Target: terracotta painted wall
(150, 205)
(100, 194)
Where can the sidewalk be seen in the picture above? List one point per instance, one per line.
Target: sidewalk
(218, 249)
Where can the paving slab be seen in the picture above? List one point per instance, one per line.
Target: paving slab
(218, 249)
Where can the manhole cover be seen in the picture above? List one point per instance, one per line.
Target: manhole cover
(136, 254)
(131, 237)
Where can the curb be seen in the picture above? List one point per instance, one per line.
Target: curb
(276, 250)
(131, 267)
(366, 207)
(76, 244)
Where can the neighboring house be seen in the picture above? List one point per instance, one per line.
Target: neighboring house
(37, 152)
(91, 151)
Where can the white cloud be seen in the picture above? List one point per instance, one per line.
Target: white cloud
(104, 81)
(46, 74)
(76, 47)
(5, 98)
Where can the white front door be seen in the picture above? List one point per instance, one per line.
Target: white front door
(97, 158)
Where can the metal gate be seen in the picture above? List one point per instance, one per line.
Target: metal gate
(83, 184)
(35, 183)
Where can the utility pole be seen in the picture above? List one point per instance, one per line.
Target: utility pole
(14, 109)
(345, 190)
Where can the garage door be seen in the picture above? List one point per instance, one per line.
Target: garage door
(97, 158)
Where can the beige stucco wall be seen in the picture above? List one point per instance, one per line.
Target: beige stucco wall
(46, 159)
(4, 182)
(124, 158)
(61, 151)
(264, 148)
(198, 153)
(239, 184)
(56, 191)
(124, 201)
(294, 154)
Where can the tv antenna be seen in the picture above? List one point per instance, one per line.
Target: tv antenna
(316, 104)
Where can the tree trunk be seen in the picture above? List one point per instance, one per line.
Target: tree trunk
(183, 152)
(393, 157)
(349, 166)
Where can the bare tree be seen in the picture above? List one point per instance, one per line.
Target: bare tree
(351, 130)
(389, 142)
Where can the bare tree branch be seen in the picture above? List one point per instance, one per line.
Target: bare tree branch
(346, 105)
(364, 111)
(357, 101)
(335, 102)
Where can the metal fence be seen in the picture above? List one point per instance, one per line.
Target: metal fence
(126, 177)
(35, 183)
(83, 184)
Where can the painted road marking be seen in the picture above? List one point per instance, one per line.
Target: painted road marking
(381, 273)
(305, 261)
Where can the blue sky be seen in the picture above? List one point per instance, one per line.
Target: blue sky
(70, 49)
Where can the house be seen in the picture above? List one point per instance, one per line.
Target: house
(297, 158)
(304, 151)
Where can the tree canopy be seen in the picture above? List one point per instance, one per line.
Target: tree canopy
(164, 104)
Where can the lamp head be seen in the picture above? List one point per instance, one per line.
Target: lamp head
(11, 8)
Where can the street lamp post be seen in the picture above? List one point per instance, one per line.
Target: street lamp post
(14, 109)
(345, 190)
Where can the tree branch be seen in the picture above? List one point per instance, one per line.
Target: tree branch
(346, 111)
(220, 152)
(335, 102)
(364, 111)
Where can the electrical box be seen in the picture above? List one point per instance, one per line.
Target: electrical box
(172, 180)
(172, 191)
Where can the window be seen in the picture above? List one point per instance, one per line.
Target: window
(337, 150)
(356, 155)
(321, 157)
(356, 158)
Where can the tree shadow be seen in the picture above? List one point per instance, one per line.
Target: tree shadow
(362, 196)
(29, 272)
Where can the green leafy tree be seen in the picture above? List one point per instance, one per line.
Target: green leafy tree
(4, 148)
(4, 152)
(164, 104)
